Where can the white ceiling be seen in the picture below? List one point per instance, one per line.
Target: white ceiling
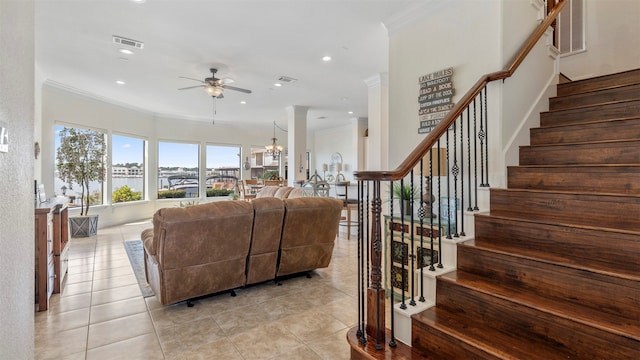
(253, 42)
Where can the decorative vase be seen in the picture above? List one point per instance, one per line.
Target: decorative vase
(83, 226)
(407, 207)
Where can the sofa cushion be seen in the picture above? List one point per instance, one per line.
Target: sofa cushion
(283, 192)
(265, 240)
(309, 230)
(267, 191)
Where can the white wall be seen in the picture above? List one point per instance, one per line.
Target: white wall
(463, 35)
(612, 40)
(16, 185)
(340, 140)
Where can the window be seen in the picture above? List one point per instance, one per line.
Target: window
(223, 169)
(72, 189)
(178, 171)
(127, 168)
(571, 27)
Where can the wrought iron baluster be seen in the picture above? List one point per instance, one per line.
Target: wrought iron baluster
(403, 204)
(448, 190)
(439, 214)
(462, 174)
(412, 274)
(475, 159)
(421, 217)
(469, 154)
(431, 267)
(455, 170)
(486, 137)
(481, 136)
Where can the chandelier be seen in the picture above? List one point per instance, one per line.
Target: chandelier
(274, 149)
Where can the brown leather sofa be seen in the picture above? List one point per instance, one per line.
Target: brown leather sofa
(208, 248)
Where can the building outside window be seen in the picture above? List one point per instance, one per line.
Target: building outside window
(178, 170)
(127, 168)
(223, 169)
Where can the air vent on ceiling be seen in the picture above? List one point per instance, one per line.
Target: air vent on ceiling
(287, 79)
(128, 42)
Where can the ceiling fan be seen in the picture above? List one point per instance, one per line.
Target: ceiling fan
(214, 86)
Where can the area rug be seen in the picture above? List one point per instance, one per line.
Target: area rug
(135, 251)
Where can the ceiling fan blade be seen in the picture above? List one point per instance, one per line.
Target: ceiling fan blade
(191, 87)
(237, 89)
(188, 78)
(221, 96)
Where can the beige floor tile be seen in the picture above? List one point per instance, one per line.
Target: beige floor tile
(117, 309)
(115, 294)
(114, 282)
(311, 324)
(62, 303)
(107, 273)
(222, 348)
(51, 322)
(78, 278)
(177, 314)
(299, 353)
(119, 329)
(77, 288)
(265, 342)
(332, 347)
(58, 344)
(143, 347)
(188, 336)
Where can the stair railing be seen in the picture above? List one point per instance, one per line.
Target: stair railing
(463, 136)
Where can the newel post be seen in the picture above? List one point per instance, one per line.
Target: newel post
(375, 292)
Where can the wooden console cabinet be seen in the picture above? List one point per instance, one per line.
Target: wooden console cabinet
(51, 251)
(404, 253)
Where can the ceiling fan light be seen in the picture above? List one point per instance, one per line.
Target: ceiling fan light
(214, 91)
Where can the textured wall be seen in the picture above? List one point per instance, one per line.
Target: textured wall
(16, 179)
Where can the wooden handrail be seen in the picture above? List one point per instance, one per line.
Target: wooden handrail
(422, 149)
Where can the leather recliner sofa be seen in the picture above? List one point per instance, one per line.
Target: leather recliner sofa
(218, 246)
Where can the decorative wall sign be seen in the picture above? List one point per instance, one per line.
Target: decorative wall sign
(435, 98)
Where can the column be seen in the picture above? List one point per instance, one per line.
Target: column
(378, 147)
(297, 143)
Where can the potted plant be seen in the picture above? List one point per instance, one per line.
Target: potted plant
(406, 194)
(81, 160)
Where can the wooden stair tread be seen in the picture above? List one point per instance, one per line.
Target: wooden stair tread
(599, 82)
(620, 325)
(589, 107)
(588, 122)
(557, 259)
(598, 142)
(613, 231)
(496, 343)
(598, 96)
(552, 166)
(577, 193)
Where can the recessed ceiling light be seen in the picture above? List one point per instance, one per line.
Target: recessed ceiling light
(120, 82)
(350, 112)
(138, 1)
(243, 102)
(126, 51)
(277, 84)
(326, 58)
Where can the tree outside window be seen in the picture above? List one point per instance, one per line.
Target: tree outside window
(127, 168)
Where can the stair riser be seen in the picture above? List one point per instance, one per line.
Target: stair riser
(627, 152)
(617, 212)
(580, 246)
(627, 109)
(441, 345)
(631, 92)
(602, 82)
(546, 279)
(606, 179)
(584, 342)
(600, 131)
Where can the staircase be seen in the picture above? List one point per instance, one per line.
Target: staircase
(554, 269)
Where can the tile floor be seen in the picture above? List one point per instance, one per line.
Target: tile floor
(101, 313)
